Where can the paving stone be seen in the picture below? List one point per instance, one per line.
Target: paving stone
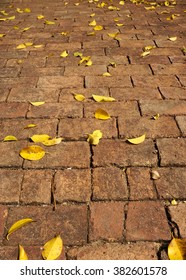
(178, 149)
(173, 93)
(9, 72)
(13, 110)
(109, 184)
(182, 79)
(115, 251)
(40, 72)
(72, 185)
(124, 154)
(177, 214)
(10, 154)
(9, 253)
(130, 70)
(3, 216)
(181, 120)
(161, 69)
(94, 70)
(156, 80)
(119, 81)
(60, 82)
(146, 220)
(106, 221)
(155, 59)
(11, 82)
(3, 94)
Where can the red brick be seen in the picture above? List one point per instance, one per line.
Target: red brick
(10, 154)
(100, 43)
(155, 59)
(106, 221)
(181, 120)
(140, 183)
(172, 151)
(103, 59)
(130, 127)
(94, 70)
(146, 220)
(173, 93)
(172, 183)
(60, 82)
(165, 43)
(109, 183)
(177, 59)
(77, 129)
(182, 79)
(72, 185)
(10, 82)
(130, 70)
(136, 45)
(3, 216)
(9, 253)
(10, 54)
(63, 46)
(119, 81)
(158, 80)
(40, 72)
(34, 190)
(9, 72)
(124, 154)
(163, 107)
(56, 110)
(3, 94)
(66, 154)
(162, 69)
(177, 214)
(13, 110)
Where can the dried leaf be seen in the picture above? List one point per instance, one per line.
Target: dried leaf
(10, 138)
(22, 253)
(174, 202)
(64, 54)
(101, 114)
(31, 125)
(113, 35)
(26, 28)
(122, 2)
(64, 33)
(137, 140)
(99, 98)
(18, 225)
(40, 17)
(79, 97)
(18, 10)
(28, 44)
(92, 23)
(112, 63)
(92, 15)
(53, 248)
(52, 142)
(21, 46)
(91, 33)
(94, 138)
(89, 63)
(143, 54)
(84, 59)
(155, 175)
(78, 54)
(32, 153)
(37, 103)
(172, 39)
(156, 117)
(39, 138)
(148, 48)
(98, 27)
(2, 35)
(38, 46)
(106, 74)
(177, 249)
(49, 22)
(27, 10)
(119, 24)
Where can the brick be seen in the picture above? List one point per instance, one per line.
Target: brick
(124, 154)
(34, 191)
(158, 80)
(130, 127)
(100, 43)
(10, 154)
(114, 109)
(103, 59)
(165, 43)
(136, 93)
(146, 220)
(177, 59)
(63, 46)
(10, 82)
(72, 185)
(56, 110)
(40, 72)
(123, 50)
(67, 154)
(9, 253)
(94, 70)
(173, 93)
(68, 220)
(13, 110)
(155, 59)
(10, 54)
(23, 94)
(9, 72)
(78, 129)
(173, 69)
(3, 94)
(3, 216)
(177, 214)
(11, 185)
(177, 156)
(109, 183)
(106, 221)
(181, 120)
(172, 183)
(182, 79)
(163, 107)
(130, 70)
(60, 82)
(140, 183)
(136, 45)
(119, 81)
(115, 251)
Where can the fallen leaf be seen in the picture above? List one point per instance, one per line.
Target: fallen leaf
(92, 23)
(39, 138)
(53, 248)
(112, 63)
(174, 202)
(26, 28)
(177, 249)
(106, 74)
(101, 114)
(94, 138)
(119, 24)
(91, 33)
(150, 8)
(18, 10)
(99, 98)
(113, 8)
(18, 225)
(16, 27)
(64, 54)
(113, 35)
(145, 53)
(27, 10)
(29, 44)
(79, 97)
(89, 63)
(10, 138)
(11, 18)
(22, 253)
(84, 59)
(52, 142)
(21, 46)
(122, 2)
(98, 27)
(40, 17)
(32, 152)
(148, 48)
(2, 35)
(64, 33)
(156, 117)
(4, 13)
(31, 125)
(49, 22)
(155, 175)
(172, 39)
(37, 103)
(78, 54)
(92, 15)
(38, 46)
(137, 140)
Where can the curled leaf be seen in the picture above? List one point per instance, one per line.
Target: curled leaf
(94, 138)
(155, 175)
(37, 103)
(18, 225)
(78, 54)
(31, 125)
(92, 23)
(79, 97)
(177, 249)
(53, 248)
(52, 142)
(21, 46)
(48, 22)
(2, 35)
(99, 98)
(98, 27)
(145, 53)
(101, 114)
(32, 153)
(89, 63)
(10, 138)
(22, 253)
(173, 39)
(156, 117)
(106, 74)
(137, 140)
(39, 137)
(40, 17)
(64, 54)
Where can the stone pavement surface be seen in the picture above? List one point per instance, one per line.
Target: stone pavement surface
(101, 199)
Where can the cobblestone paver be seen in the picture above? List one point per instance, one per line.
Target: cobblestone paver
(101, 199)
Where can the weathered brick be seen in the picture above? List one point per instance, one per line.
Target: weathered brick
(106, 221)
(94, 70)
(10, 154)
(162, 69)
(158, 80)
(40, 72)
(140, 183)
(146, 220)
(130, 70)
(119, 152)
(9, 253)
(100, 43)
(3, 94)
(13, 110)
(118, 81)
(103, 59)
(177, 213)
(109, 183)
(155, 59)
(72, 185)
(3, 216)
(181, 120)
(182, 79)
(173, 92)
(63, 46)
(172, 151)
(10, 82)
(9, 72)
(60, 82)
(172, 183)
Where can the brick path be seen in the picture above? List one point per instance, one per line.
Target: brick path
(102, 199)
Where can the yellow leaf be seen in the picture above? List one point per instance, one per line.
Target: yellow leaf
(116, 19)
(156, 117)
(145, 53)
(92, 15)
(84, 59)
(28, 44)
(18, 10)
(91, 33)
(27, 10)
(150, 8)
(148, 48)
(78, 54)
(89, 63)
(39, 137)
(92, 23)
(99, 98)
(11, 18)
(18, 225)
(177, 249)
(101, 114)
(26, 28)
(166, 3)
(52, 142)
(119, 24)
(38, 46)
(155, 175)
(94, 138)
(137, 140)
(16, 27)
(31, 125)
(10, 138)
(172, 39)
(21, 46)
(98, 27)
(40, 17)
(64, 33)
(22, 253)
(113, 8)
(3, 19)
(2, 35)
(112, 63)
(106, 74)
(49, 22)
(37, 103)
(53, 248)
(3, 13)
(112, 35)
(79, 97)
(174, 202)
(64, 54)
(122, 2)
(32, 153)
